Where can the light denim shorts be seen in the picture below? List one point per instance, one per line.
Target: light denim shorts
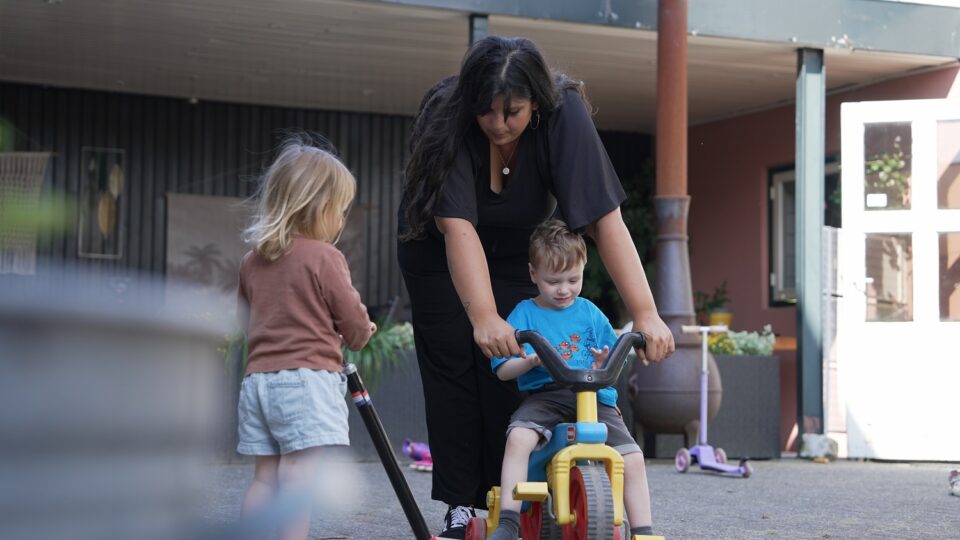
(285, 411)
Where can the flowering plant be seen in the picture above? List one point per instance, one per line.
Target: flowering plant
(743, 343)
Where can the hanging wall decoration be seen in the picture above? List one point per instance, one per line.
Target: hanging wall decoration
(21, 181)
(103, 203)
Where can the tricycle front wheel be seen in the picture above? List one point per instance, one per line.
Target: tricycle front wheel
(591, 500)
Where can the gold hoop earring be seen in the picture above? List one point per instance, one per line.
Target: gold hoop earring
(538, 121)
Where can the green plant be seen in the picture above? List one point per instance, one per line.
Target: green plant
(231, 344)
(638, 216)
(743, 343)
(887, 173)
(381, 352)
(705, 303)
(53, 214)
(8, 135)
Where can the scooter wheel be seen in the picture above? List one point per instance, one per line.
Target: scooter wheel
(719, 455)
(476, 529)
(746, 468)
(682, 460)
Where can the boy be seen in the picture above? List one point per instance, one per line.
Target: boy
(582, 336)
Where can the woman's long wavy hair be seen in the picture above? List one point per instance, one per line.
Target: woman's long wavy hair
(306, 190)
(511, 67)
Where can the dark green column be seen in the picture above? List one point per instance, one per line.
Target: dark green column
(811, 106)
(478, 27)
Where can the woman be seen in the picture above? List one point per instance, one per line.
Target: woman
(496, 151)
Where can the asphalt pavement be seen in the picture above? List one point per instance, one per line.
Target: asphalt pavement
(785, 498)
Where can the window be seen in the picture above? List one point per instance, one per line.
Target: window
(783, 284)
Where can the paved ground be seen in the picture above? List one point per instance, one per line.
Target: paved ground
(786, 498)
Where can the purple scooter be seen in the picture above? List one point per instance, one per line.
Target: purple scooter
(708, 457)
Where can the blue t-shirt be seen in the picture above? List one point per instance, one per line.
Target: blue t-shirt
(572, 331)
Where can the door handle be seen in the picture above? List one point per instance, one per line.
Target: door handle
(861, 284)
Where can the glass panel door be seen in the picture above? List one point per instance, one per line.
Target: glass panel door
(950, 276)
(948, 164)
(889, 284)
(887, 149)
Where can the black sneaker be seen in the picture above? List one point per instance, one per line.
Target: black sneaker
(455, 522)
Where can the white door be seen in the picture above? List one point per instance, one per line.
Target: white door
(899, 320)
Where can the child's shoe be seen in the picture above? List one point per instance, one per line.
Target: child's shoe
(954, 479)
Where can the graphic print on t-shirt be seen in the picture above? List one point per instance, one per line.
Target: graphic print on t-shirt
(576, 348)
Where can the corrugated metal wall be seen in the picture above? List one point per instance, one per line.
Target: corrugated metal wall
(212, 148)
(204, 148)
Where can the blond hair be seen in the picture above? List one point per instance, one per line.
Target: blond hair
(305, 190)
(554, 247)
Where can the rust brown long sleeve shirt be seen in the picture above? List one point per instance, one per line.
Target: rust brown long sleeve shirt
(298, 306)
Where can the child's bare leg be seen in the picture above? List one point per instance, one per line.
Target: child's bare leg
(636, 494)
(520, 443)
(297, 472)
(264, 484)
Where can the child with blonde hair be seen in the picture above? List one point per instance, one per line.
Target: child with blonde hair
(582, 335)
(298, 307)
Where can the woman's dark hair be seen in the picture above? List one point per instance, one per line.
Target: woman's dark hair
(511, 67)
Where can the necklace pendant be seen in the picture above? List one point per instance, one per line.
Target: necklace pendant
(506, 170)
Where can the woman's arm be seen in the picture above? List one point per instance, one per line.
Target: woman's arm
(620, 257)
(471, 278)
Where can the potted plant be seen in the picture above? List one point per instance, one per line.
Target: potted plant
(713, 308)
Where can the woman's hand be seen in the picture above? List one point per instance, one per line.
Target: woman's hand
(496, 337)
(659, 338)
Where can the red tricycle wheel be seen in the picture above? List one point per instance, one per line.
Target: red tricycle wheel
(476, 529)
(530, 522)
(591, 500)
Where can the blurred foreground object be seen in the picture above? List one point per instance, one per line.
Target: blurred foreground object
(110, 406)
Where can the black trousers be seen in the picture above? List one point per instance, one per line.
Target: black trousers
(467, 407)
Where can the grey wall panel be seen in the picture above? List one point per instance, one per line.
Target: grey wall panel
(219, 149)
(205, 148)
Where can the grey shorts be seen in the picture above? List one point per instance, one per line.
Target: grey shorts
(541, 411)
(293, 409)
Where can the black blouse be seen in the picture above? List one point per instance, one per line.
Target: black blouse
(561, 169)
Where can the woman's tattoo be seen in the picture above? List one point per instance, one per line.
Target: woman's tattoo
(466, 306)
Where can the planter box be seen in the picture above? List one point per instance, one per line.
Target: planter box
(748, 424)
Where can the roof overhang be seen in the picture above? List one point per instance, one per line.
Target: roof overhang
(380, 56)
(908, 27)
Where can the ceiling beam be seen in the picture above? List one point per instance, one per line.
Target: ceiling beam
(879, 25)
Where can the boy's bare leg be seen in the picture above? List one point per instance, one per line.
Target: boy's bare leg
(636, 494)
(520, 442)
(297, 472)
(516, 456)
